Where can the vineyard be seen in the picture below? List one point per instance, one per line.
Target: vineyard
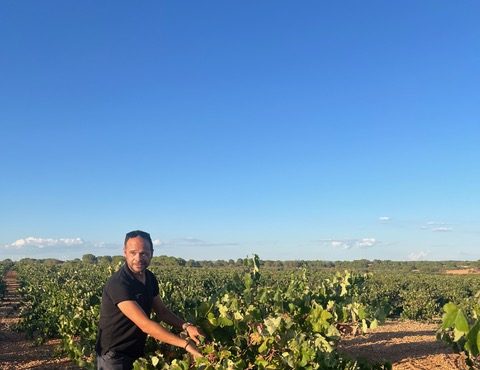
(254, 317)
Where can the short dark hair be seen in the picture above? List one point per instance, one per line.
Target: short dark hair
(142, 234)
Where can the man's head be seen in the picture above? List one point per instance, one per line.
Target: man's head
(138, 233)
(138, 250)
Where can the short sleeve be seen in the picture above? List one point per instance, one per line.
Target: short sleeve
(119, 292)
(155, 288)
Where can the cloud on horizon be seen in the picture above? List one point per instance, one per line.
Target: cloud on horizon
(44, 242)
(192, 242)
(349, 243)
(417, 256)
(437, 226)
(442, 229)
(58, 248)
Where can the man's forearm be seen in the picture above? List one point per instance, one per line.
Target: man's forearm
(170, 318)
(158, 332)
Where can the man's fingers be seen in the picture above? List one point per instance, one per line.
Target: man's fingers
(195, 340)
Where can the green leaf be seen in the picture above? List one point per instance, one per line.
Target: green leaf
(450, 315)
(450, 307)
(364, 326)
(472, 340)
(155, 360)
(212, 319)
(478, 340)
(224, 321)
(361, 313)
(223, 310)
(332, 331)
(272, 324)
(321, 342)
(247, 279)
(325, 315)
(263, 347)
(461, 323)
(457, 335)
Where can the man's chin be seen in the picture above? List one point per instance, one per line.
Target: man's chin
(138, 269)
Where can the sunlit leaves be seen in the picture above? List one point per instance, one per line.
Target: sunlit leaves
(463, 333)
(267, 321)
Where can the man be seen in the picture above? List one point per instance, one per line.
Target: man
(127, 301)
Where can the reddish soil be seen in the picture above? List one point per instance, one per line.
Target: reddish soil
(467, 271)
(16, 351)
(407, 345)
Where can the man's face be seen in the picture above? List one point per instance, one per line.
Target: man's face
(137, 254)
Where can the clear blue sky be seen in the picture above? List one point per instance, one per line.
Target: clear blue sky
(294, 130)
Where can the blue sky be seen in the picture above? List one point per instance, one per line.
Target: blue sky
(294, 130)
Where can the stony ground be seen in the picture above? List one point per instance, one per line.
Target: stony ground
(16, 351)
(408, 345)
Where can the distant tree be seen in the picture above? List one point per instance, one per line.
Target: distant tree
(51, 261)
(192, 263)
(89, 258)
(166, 261)
(117, 259)
(28, 260)
(104, 259)
(239, 262)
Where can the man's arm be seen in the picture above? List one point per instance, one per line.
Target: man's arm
(134, 312)
(169, 317)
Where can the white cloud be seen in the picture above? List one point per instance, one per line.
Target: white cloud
(157, 242)
(437, 226)
(442, 229)
(366, 242)
(44, 242)
(349, 243)
(384, 219)
(417, 256)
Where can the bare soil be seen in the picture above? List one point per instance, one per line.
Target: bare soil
(16, 351)
(466, 271)
(407, 345)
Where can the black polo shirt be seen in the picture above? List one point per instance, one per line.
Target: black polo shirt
(116, 331)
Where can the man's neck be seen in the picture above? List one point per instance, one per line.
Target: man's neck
(140, 276)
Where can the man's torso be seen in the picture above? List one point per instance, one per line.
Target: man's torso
(118, 333)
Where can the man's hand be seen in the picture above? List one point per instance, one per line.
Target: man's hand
(194, 332)
(192, 349)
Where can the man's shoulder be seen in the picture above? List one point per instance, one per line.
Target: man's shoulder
(119, 275)
(150, 274)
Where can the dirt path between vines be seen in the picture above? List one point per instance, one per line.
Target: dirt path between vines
(407, 345)
(16, 351)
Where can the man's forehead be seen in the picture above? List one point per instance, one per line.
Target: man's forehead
(135, 243)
